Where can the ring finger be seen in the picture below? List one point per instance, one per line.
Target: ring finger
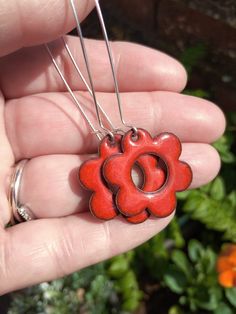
(50, 185)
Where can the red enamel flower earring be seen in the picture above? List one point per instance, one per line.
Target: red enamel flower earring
(109, 175)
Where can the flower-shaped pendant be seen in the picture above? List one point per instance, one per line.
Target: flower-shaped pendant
(114, 191)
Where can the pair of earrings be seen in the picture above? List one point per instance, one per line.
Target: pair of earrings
(109, 175)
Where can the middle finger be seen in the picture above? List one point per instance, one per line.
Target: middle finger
(51, 124)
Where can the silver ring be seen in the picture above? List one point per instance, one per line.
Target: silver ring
(20, 212)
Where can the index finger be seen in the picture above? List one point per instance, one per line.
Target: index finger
(138, 68)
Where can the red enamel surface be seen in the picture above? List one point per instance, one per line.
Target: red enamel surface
(154, 179)
(137, 219)
(102, 200)
(117, 170)
(155, 175)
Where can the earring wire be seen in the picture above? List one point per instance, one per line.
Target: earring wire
(97, 132)
(111, 60)
(86, 60)
(91, 89)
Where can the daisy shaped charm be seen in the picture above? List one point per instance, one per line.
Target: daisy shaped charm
(130, 200)
(102, 204)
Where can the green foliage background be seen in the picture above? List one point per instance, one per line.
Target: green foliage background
(179, 262)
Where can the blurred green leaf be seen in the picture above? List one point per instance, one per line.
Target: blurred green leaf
(207, 298)
(227, 157)
(231, 296)
(183, 300)
(183, 195)
(210, 258)
(206, 188)
(127, 282)
(129, 256)
(193, 55)
(206, 264)
(130, 304)
(197, 93)
(119, 265)
(214, 214)
(132, 300)
(196, 200)
(181, 261)
(217, 190)
(174, 232)
(223, 145)
(175, 280)
(175, 310)
(195, 250)
(232, 198)
(223, 309)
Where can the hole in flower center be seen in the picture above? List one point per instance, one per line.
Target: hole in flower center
(138, 176)
(149, 173)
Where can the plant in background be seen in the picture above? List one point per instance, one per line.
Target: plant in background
(125, 281)
(152, 257)
(194, 278)
(109, 287)
(88, 291)
(214, 205)
(192, 56)
(193, 275)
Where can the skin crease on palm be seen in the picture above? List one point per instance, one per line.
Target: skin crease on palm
(39, 121)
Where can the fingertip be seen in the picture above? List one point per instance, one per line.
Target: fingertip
(209, 117)
(148, 69)
(171, 69)
(212, 164)
(204, 161)
(217, 117)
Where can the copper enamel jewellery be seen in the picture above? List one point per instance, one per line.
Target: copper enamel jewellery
(109, 175)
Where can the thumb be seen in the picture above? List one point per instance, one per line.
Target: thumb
(32, 22)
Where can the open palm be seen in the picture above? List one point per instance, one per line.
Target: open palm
(39, 121)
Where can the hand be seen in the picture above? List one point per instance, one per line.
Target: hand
(38, 120)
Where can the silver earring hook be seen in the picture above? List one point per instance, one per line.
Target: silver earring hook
(111, 59)
(85, 82)
(115, 130)
(86, 59)
(91, 89)
(98, 133)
